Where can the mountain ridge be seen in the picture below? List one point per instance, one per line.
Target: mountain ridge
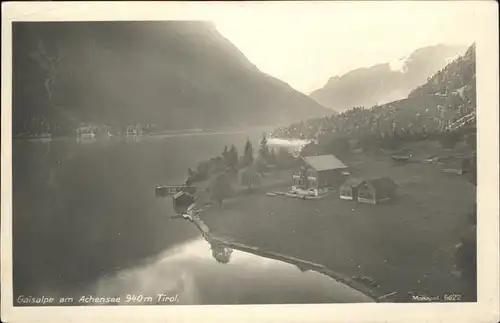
(170, 74)
(384, 82)
(447, 97)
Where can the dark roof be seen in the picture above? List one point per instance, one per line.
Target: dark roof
(382, 184)
(183, 195)
(324, 162)
(353, 182)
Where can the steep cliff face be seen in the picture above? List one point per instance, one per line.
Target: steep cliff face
(385, 82)
(457, 79)
(171, 74)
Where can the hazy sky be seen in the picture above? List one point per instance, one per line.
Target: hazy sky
(304, 44)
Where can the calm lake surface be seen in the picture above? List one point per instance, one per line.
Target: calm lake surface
(83, 210)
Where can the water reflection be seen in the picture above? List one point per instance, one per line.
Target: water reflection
(90, 204)
(187, 273)
(221, 253)
(86, 140)
(235, 277)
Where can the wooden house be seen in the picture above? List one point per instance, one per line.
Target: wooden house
(349, 190)
(318, 173)
(374, 191)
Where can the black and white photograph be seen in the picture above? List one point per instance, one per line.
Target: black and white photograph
(255, 153)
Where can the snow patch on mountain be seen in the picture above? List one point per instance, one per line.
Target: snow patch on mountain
(398, 65)
(450, 59)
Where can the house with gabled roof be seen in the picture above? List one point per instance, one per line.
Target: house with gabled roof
(319, 173)
(376, 190)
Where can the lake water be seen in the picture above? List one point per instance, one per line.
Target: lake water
(82, 210)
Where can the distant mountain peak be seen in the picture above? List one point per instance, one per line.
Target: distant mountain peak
(457, 77)
(398, 65)
(384, 82)
(446, 101)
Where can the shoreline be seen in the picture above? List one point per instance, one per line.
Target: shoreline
(173, 132)
(126, 136)
(153, 135)
(399, 244)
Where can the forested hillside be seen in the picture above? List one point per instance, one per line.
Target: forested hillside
(448, 96)
(387, 81)
(166, 75)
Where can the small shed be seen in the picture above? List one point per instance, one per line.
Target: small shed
(457, 165)
(349, 189)
(182, 201)
(377, 190)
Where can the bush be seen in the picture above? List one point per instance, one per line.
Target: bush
(201, 173)
(220, 188)
(216, 165)
(249, 177)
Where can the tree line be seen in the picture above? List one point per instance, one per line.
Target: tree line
(448, 96)
(248, 168)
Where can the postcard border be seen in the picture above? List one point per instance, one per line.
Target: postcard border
(487, 99)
